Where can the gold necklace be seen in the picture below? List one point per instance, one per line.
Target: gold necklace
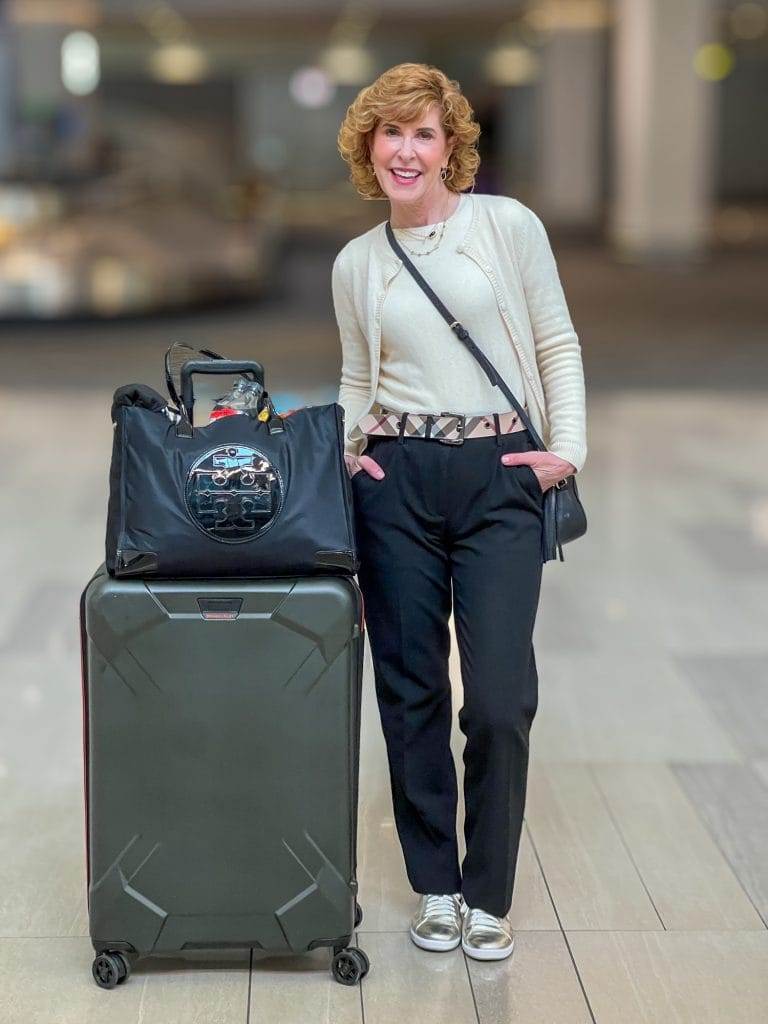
(422, 238)
(433, 232)
(426, 252)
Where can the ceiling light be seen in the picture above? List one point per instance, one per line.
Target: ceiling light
(80, 66)
(179, 63)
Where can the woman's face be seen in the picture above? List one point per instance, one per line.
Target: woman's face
(417, 146)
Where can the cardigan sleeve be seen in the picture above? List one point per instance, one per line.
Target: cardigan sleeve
(355, 382)
(558, 352)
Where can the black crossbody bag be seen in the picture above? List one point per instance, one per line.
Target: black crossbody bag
(564, 515)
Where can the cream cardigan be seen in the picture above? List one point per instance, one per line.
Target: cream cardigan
(424, 370)
(508, 241)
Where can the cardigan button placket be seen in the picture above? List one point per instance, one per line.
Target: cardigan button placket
(488, 271)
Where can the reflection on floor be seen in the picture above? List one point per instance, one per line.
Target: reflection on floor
(642, 888)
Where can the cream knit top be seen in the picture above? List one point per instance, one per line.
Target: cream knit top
(424, 367)
(505, 252)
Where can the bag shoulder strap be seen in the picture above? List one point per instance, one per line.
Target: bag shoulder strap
(463, 334)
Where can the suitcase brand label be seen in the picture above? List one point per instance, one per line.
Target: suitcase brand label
(224, 608)
(233, 493)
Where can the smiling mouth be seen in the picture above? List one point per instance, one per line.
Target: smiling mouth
(406, 178)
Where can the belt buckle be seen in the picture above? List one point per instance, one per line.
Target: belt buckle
(460, 426)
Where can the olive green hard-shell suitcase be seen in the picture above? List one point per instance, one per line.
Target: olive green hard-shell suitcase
(221, 735)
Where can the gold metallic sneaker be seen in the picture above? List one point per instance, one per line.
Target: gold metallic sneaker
(485, 937)
(436, 925)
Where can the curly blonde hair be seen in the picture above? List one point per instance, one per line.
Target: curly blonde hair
(403, 93)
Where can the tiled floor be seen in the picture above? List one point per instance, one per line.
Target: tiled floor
(642, 889)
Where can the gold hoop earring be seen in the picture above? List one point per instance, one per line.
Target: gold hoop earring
(443, 173)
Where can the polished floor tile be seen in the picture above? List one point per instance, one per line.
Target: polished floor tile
(297, 989)
(42, 605)
(590, 874)
(760, 768)
(537, 984)
(48, 981)
(731, 548)
(686, 875)
(411, 984)
(385, 893)
(736, 689)
(42, 865)
(563, 621)
(605, 707)
(733, 803)
(706, 977)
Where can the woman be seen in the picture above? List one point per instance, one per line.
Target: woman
(445, 514)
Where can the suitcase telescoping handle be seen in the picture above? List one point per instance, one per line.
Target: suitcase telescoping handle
(218, 366)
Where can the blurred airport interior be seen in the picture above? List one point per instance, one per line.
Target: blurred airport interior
(154, 153)
(169, 172)
(167, 158)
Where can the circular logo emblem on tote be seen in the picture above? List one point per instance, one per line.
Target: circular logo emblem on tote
(233, 493)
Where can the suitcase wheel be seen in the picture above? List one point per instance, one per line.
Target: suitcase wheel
(350, 966)
(110, 969)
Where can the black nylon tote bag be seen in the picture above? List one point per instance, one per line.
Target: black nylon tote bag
(245, 495)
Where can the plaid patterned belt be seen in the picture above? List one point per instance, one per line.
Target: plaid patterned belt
(450, 428)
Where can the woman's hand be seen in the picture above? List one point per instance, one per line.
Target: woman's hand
(548, 468)
(355, 463)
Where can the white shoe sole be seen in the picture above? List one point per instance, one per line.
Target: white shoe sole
(434, 945)
(487, 954)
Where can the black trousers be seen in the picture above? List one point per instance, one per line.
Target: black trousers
(450, 523)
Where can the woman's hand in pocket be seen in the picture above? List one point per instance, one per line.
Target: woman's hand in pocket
(547, 467)
(358, 463)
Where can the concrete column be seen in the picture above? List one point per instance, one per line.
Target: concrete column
(7, 92)
(55, 127)
(663, 117)
(38, 60)
(569, 118)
